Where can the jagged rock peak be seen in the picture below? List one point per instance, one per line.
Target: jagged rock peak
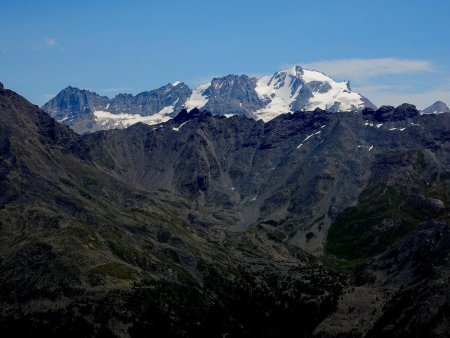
(391, 113)
(184, 115)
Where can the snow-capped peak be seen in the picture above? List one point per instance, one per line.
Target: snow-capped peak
(301, 89)
(279, 91)
(285, 91)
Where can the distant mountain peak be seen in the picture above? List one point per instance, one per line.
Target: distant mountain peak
(438, 107)
(297, 88)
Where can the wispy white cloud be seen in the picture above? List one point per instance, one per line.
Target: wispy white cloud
(395, 96)
(47, 44)
(51, 42)
(368, 68)
(366, 76)
(386, 87)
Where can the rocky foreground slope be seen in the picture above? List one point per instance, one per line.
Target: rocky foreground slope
(322, 224)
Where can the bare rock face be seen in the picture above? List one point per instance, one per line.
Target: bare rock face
(73, 103)
(233, 94)
(390, 113)
(76, 107)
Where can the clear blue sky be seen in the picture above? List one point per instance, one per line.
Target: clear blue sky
(391, 51)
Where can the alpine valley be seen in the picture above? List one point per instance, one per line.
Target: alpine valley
(247, 207)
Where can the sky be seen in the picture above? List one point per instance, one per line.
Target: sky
(391, 51)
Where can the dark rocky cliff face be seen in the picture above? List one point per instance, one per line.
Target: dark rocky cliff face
(151, 102)
(326, 224)
(72, 103)
(391, 114)
(75, 107)
(233, 94)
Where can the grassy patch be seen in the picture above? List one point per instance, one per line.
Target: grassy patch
(116, 270)
(124, 252)
(342, 263)
(82, 232)
(276, 235)
(365, 230)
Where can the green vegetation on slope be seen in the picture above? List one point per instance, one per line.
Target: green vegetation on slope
(387, 211)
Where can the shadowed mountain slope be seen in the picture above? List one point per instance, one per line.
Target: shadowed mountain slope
(84, 252)
(201, 226)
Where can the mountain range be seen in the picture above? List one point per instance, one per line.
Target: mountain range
(293, 89)
(323, 223)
